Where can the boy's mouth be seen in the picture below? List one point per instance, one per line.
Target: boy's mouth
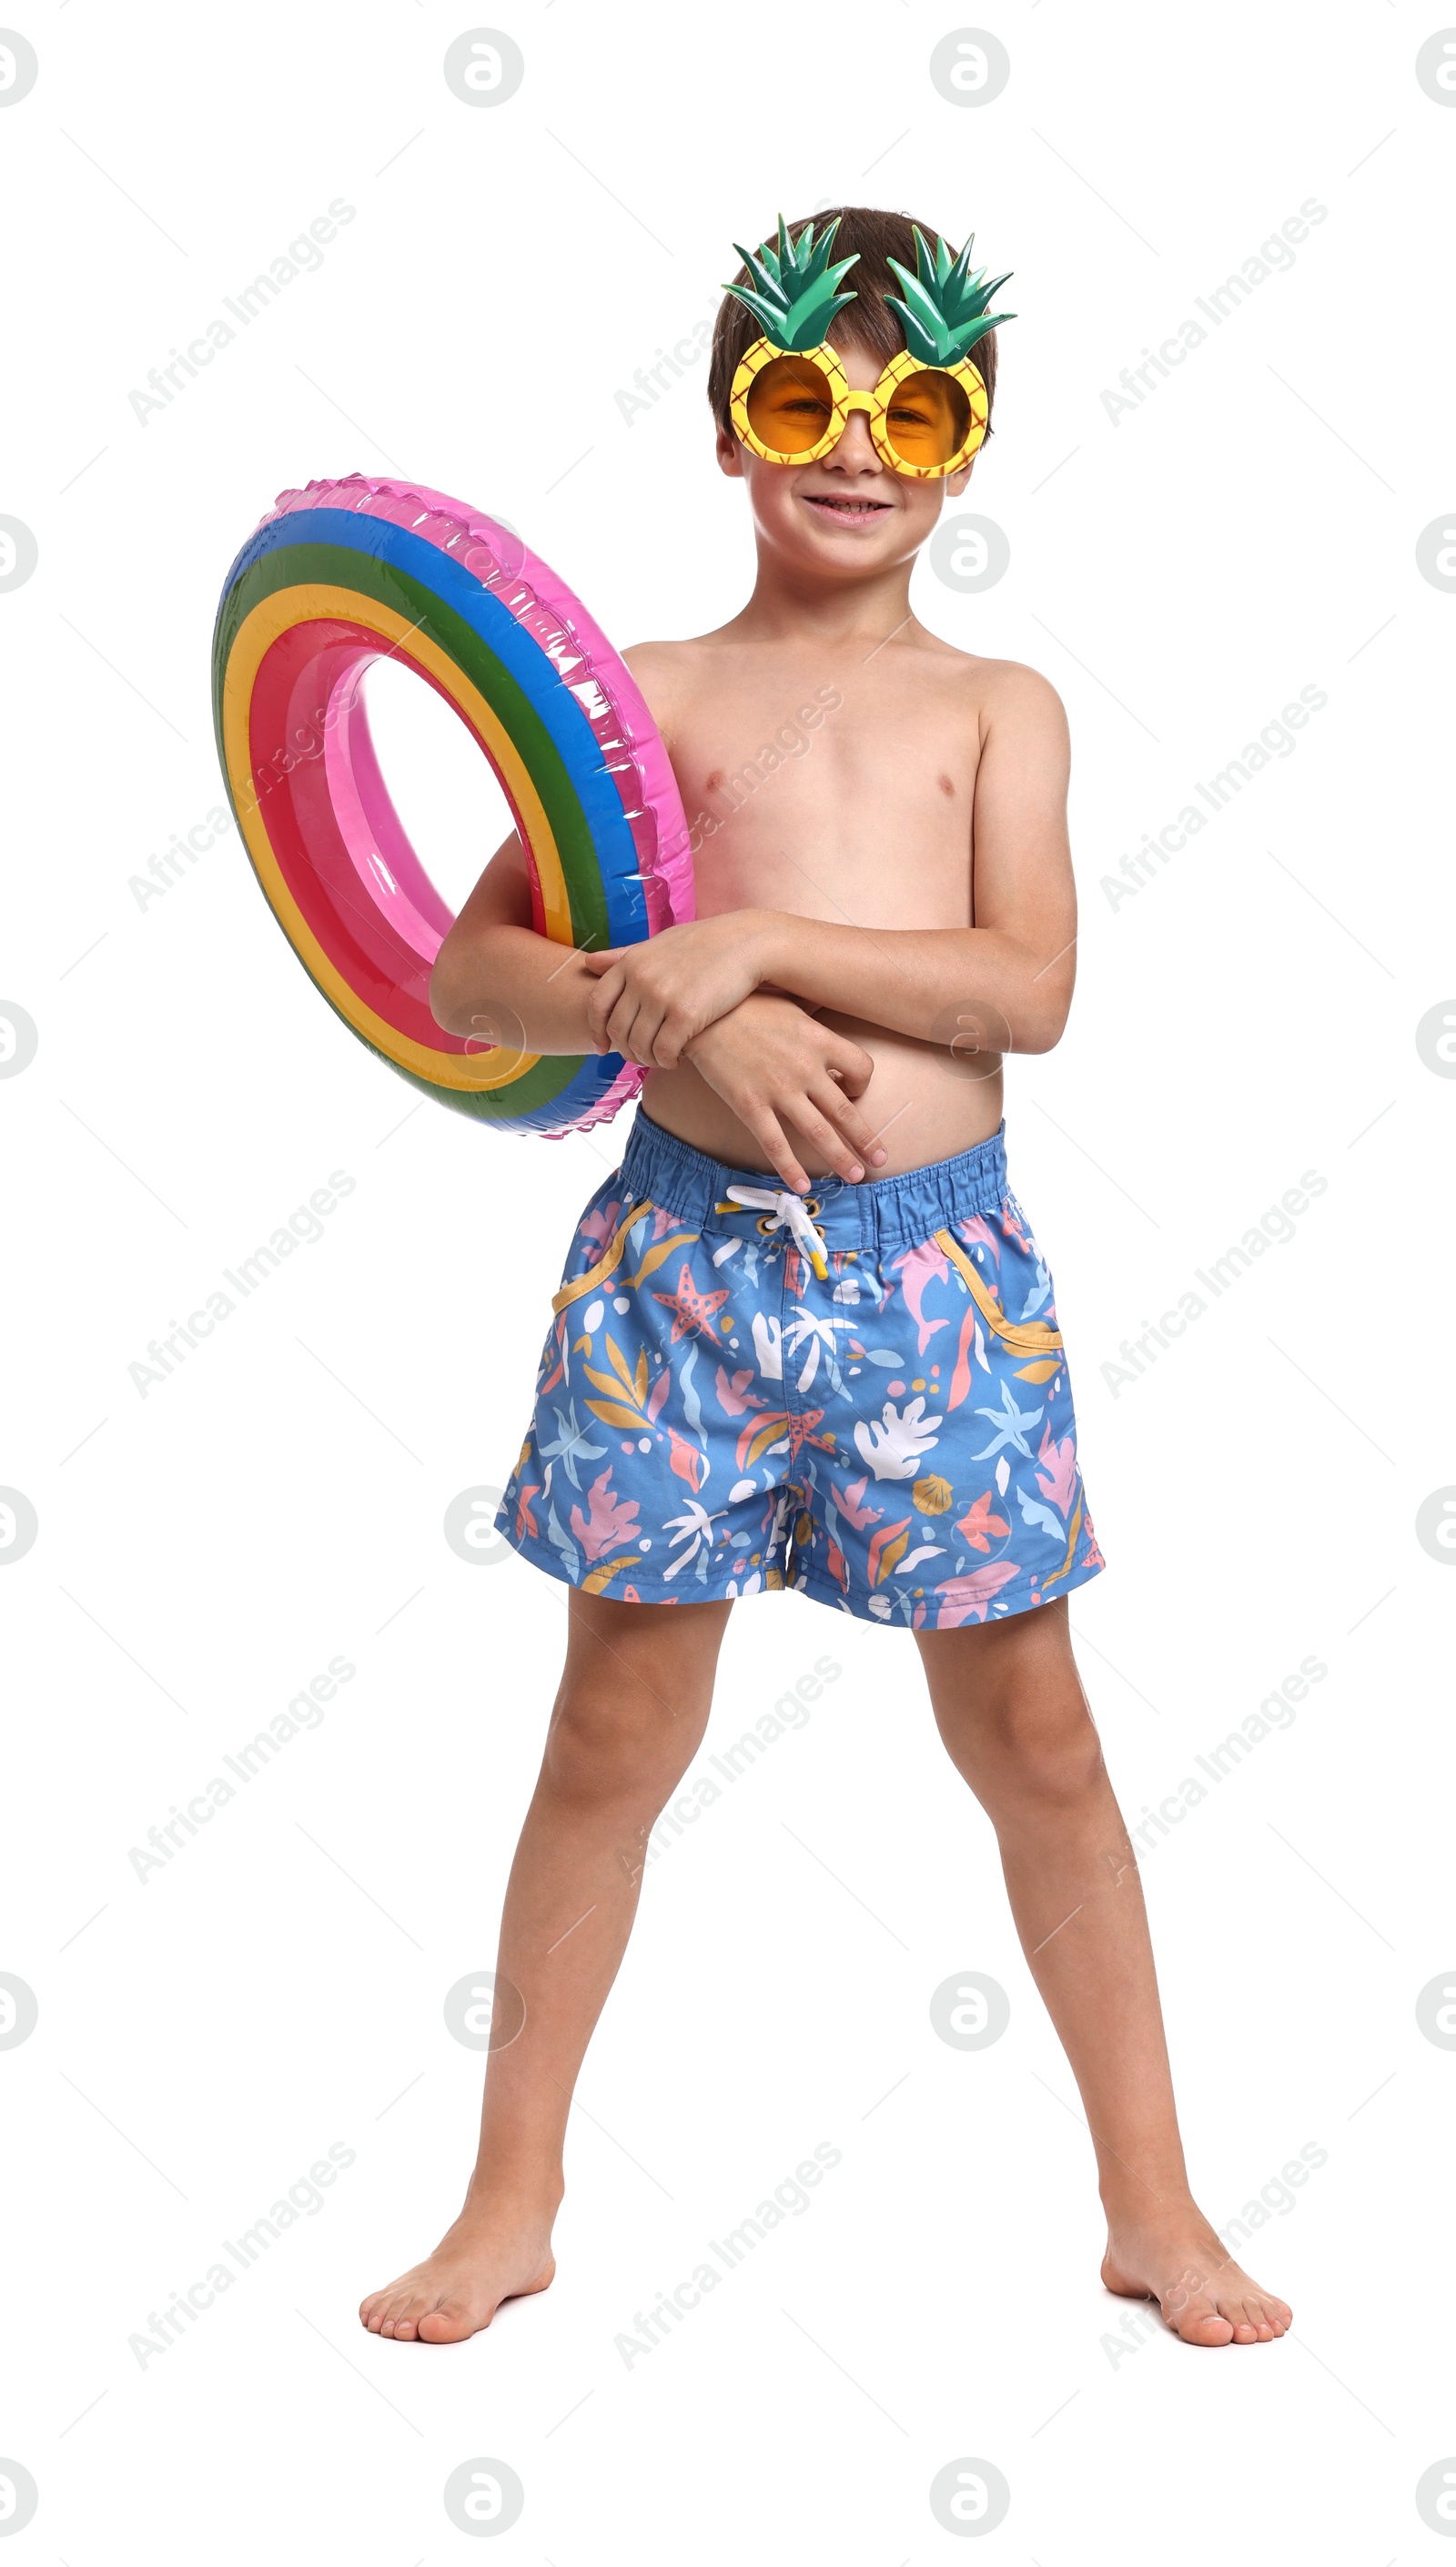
(845, 512)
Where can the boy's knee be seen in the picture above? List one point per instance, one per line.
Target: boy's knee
(1032, 1758)
(601, 1745)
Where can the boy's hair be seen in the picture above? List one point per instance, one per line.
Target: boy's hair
(868, 322)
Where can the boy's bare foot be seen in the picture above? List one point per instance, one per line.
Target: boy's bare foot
(486, 2257)
(1205, 2297)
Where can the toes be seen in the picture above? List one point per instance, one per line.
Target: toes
(1248, 2319)
(1188, 2307)
(1204, 2325)
(1220, 2305)
(382, 2307)
(449, 2323)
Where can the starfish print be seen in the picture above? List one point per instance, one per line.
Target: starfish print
(801, 1431)
(693, 1311)
(1008, 1421)
(572, 1445)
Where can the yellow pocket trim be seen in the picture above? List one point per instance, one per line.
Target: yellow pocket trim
(606, 1264)
(1031, 1337)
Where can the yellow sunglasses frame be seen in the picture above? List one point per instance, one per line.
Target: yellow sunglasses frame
(875, 405)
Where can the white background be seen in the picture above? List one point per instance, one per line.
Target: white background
(1249, 1014)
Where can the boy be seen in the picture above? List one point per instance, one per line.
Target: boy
(805, 1337)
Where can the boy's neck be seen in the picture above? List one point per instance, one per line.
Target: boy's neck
(790, 603)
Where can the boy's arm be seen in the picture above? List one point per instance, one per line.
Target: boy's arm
(1011, 976)
(780, 1071)
(494, 967)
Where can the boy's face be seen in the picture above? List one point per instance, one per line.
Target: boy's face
(848, 515)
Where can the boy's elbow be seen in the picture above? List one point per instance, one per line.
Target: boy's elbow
(1044, 1026)
(1045, 1006)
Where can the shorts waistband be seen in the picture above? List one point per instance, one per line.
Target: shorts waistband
(882, 1214)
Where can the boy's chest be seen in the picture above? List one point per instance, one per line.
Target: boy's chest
(843, 798)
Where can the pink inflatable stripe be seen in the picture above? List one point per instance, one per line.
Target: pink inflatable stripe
(370, 826)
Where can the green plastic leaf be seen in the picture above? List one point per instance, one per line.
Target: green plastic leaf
(763, 269)
(926, 334)
(943, 307)
(810, 317)
(794, 293)
(767, 313)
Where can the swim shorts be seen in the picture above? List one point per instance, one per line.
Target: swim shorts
(860, 1393)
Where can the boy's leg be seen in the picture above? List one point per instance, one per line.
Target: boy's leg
(1010, 1709)
(630, 1714)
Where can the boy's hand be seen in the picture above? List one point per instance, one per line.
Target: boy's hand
(652, 998)
(775, 1065)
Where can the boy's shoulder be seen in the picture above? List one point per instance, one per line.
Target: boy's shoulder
(669, 673)
(665, 661)
(1016, 698)
(1004, 685)
(1004, 696)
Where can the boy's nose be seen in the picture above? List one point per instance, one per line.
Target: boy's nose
(857, 447)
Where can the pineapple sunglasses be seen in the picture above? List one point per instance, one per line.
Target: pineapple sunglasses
(792, 402)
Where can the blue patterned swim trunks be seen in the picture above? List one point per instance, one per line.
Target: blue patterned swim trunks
(860, 1393)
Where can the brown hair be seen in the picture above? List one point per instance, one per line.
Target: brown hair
(868, 322)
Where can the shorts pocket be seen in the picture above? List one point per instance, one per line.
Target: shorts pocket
(611, 1258)
(1023, 1338)
(606, 1264)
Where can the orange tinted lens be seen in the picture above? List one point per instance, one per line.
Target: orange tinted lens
(929, 419)
(791, 405)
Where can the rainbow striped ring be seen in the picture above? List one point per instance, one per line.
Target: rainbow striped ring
(345, 573)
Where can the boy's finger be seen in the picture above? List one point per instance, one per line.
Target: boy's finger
(604, 960)
(620, 1024)
(851, 1066)
(774, 1143)
(645, 1034)
(600, 1004)
(679, 1028)
(846, 1117)
(820, 1132)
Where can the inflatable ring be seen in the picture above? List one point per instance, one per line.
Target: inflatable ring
(348, 572)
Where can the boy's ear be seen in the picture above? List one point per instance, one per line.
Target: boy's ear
(955, 482)
(730, 455)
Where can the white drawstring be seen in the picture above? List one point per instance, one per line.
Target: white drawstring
(789, 1210)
